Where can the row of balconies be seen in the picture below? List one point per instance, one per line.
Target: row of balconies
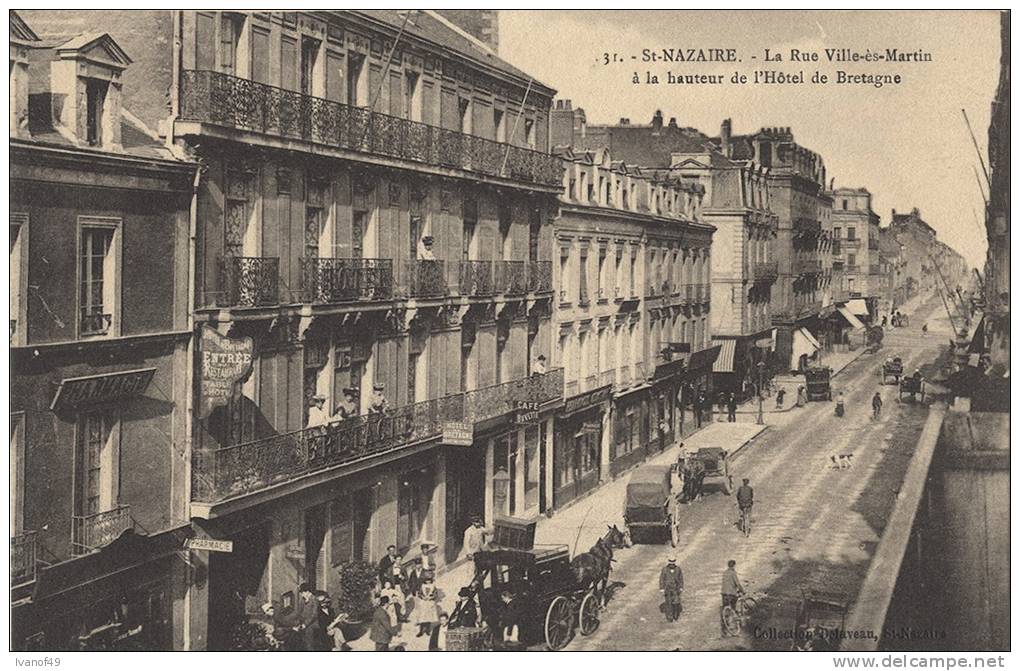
(765, 271)
(807, 266)
(807, 226)
(88, 534)
(247, 281)
(589, 382)
(224, 100)
(235, 470)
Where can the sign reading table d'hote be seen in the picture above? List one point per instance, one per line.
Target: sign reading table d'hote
(77, 391)
(225, 361)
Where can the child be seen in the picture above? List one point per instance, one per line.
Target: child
(396, 600)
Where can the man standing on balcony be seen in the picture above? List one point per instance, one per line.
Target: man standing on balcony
(539, 367)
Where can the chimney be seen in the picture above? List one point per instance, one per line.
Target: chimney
(672, 122)
(624, 121)
(657, 120)
(725, 134)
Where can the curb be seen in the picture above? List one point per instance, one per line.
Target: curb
(794, 406)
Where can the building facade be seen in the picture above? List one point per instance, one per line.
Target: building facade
(855, 244)
(632, 317)
(738, 203)
(100, 347)
(918, 240)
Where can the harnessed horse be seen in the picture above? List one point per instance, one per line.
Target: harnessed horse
(593, 567)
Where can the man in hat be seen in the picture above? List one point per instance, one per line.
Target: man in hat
(317, 415)
(348, 406)
(465, 612)
(476, 537)
(425, 252)
(377, 404)
(731, 590)
(671, 584)
(539, 368)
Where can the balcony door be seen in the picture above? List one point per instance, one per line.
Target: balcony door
(97, 440)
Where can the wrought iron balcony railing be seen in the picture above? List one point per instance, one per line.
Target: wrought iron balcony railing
(807, 226)
(807, 266)
(512, 277)
(326, 281)
(249, 281)
(235, 470)
(95, 322)
(540, 277)
(766, 271)
(92, 532)
(422, 279)
(852, 243)
(234, 102)
(23, 558)
(476, 278)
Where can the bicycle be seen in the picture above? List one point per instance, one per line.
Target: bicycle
(733, 618)
(745, 521)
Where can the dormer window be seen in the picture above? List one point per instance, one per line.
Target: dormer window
(88, 71)
(95, 101)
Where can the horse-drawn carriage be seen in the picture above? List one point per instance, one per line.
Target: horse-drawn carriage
(650, 507)
(551, 596)
(711, 468)
(892, 368)
(821, 617)
(817, 380)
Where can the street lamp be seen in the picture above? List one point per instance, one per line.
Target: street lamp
(761, 395)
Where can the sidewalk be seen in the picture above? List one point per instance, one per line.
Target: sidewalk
(580, 525)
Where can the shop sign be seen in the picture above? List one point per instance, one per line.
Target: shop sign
(591, 427)
(225, 361)
(526, 413)
(101, 388)
(586, 400)
(209, 544)
(458, 433)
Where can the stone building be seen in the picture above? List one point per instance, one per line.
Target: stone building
(372, 227)
(918, 239)
(100, 342)
(855, 243)
(634, 331)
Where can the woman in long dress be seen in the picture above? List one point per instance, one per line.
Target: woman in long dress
(426, 608)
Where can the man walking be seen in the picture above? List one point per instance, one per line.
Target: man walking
(383, 629)
(731, 589)
(308, 618)
(671, 584)
(731, 408)
(876, 406)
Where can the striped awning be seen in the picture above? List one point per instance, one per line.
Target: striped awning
(724, 362)
(850, 317)
(858, 307)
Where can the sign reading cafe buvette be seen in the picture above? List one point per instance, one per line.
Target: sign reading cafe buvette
(225, 361)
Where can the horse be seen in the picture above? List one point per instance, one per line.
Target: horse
(694, 482)
(592, 568)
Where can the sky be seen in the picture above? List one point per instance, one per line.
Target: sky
(907, 144)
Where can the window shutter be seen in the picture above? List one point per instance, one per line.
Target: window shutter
(342, 545)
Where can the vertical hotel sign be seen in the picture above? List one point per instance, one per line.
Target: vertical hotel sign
(225, 361)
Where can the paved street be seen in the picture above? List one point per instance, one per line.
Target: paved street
(814, 526)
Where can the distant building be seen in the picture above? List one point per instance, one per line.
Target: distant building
(918, 240)
(855, 243)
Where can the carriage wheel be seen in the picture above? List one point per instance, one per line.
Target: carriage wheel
(559, 623)
(731, 621)
(588, 614)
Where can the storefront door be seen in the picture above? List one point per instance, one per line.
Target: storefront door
(465, 495)
(237, 584)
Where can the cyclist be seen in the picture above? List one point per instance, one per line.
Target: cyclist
(745, 499)
(731, 590)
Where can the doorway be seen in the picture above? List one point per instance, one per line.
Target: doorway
(465, 495)
(237, 584)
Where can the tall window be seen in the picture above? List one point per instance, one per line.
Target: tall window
(529, 132)
(464, 112)
(505, 222)
(97, 275)
(414, 498)
(470, 218)
(309, 56)
(499, 124)
(238, 212)
(412, 96)
(17, 463)
(19, 238)
(583, 277)
(98, 484)
(315, 220)
(357, 85)
(534, 230)
(602, 272)
(359, 221)
(851, 233)
(633, 272)
(851, 260)
(564, 274)
(231, 26)
(95, 100)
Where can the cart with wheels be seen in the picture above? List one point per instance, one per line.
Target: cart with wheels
(650, 508)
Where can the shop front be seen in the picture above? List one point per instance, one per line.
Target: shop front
(736, 368)
(630, 444)
(577, 447)
(697, 389)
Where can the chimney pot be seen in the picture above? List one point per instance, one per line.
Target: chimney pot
(672, 122)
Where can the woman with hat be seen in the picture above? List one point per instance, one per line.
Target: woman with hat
(317, 415)
(348, 406)
(425, 252)
(377, 404)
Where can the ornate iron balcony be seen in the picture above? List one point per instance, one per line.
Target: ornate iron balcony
(512, 277)
(807, 226)
(476, 278)
(23, 558)
(496, 400)
(95, 322)
(92, 532)
(766, 271)
(422, 279)
(249, 281)
(225, 100)
(807, 266)
(327, 281)
(540, 277)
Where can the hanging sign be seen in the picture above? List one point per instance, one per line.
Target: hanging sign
(458, 433)
(209, 544)
(91, 389)
(225, 361)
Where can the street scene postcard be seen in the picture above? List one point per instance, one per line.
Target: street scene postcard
(505, 330)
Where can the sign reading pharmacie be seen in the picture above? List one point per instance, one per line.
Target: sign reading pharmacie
(225, 361)
(209, 544)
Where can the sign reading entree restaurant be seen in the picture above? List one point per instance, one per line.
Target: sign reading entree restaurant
(224, 362)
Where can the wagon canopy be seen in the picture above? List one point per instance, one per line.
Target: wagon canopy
(649, 487)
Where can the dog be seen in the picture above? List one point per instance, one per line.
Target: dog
(841, 461)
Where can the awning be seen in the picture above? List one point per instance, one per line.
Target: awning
(724, 362)
(977, 341)
(810, 337)
(857, 306)
(803, 343)
(851, 318)
(103, 388)
(703, 359)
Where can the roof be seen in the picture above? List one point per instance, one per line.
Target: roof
(646, 146)
(88, 45)
(21, 31)
(724, 362)
(428, 25)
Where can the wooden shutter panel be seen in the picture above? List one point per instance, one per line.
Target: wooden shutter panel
(342, 535)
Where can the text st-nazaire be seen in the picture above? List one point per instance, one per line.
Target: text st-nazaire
(836, 55)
